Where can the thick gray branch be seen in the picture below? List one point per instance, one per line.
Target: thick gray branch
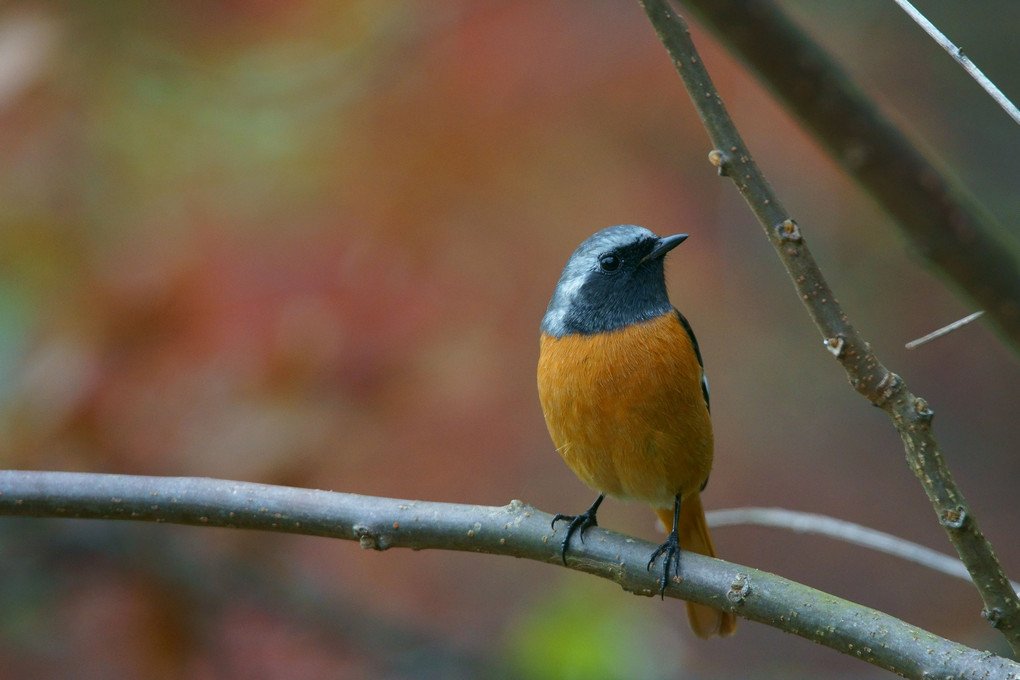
(517, 530)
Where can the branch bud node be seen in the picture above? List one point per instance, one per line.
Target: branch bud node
(740, 588)
(368, 539)
(720, 159)
(889, 383)
(787, 230)
(993, 616)
(835, 345)
(953, 518)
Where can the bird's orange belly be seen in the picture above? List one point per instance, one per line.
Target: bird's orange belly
(626, 411)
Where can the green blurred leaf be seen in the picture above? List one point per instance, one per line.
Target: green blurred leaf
(582, 633)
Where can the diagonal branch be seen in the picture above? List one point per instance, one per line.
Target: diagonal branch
(939, 216)
(910, 414)
(516, 530)
(956, 53)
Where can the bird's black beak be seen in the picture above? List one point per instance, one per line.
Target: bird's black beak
(666, 244)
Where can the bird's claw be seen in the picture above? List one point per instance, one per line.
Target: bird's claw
(671, 551)
(577, 523)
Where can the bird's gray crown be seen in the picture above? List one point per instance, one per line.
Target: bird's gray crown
(613, 279)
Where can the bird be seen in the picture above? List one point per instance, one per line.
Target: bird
(623, 390)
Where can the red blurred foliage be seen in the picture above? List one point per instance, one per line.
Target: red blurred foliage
(310, 243)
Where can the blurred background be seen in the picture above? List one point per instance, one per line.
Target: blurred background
(310, 243)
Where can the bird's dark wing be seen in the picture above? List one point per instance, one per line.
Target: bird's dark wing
(694, 341)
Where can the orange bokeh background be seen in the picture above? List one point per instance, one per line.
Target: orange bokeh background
(310, 243)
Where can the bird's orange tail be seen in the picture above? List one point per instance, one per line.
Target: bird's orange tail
(693, 533)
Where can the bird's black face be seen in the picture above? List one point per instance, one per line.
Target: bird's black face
(613, 279)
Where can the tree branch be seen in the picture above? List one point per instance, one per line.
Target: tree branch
(957, 54)
(910, 414)
(841, 530)
(516, 529)
(941, 219)
(945, 330)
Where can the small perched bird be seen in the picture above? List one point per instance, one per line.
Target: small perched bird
(624, 394)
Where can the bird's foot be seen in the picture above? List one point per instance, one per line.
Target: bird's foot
(671, 555)
(577, 524)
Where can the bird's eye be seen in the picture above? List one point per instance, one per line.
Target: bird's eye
(609, 263)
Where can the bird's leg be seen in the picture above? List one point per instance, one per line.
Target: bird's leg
(578, 523)
(671, 550)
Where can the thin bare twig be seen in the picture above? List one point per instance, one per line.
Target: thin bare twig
(910, 414)
(841, 530)
(934, 335)
(516, 529)
(956, 53)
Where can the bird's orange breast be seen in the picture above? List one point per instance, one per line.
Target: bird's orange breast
(626, 410)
